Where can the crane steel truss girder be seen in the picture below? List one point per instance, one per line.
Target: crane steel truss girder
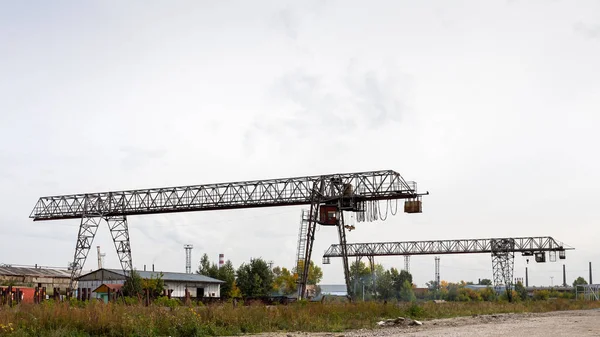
(367, 186)
(461, 246)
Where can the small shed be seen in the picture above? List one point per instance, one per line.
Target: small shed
(103, 291)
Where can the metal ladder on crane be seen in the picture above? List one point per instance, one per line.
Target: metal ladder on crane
(302, 235)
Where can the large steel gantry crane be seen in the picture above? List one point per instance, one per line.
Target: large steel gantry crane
(502, 250)
(328, 196)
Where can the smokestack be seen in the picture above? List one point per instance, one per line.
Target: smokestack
(591, 273)
(564, 276)
(153, 267)
(99, 258)
(526, 278)
(144, 267)
(221, 260)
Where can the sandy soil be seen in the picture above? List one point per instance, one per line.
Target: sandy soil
(559, 323)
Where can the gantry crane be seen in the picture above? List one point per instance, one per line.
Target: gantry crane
(501, 249)
(328, 196)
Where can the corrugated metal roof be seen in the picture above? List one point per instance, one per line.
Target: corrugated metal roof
(36, 272)
(167, 276)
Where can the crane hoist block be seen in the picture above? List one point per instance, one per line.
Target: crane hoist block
(328, 215)
(413, 206)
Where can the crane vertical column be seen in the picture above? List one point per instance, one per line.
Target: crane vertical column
(407, 263)
(437, 275)
(120, 235)
(85, 238)
(344, 250)
(502, 264)
(316, 195)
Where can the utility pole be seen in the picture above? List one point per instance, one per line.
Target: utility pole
(591, 273)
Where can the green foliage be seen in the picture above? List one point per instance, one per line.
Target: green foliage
(315, 274)
(399, 279)
(254, 279)
(227, 274)
(156, 286)
(133, 286)
(407, 294)
(579, 281)
(521, 291)
(488, 294)
(284, 282)
(384, 285)
(468, 295)
(541, 294)
(485, 282)
(164, 301)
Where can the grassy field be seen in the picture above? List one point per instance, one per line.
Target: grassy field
(60, 319)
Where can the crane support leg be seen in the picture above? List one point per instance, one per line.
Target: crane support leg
(313, 215)
(503, 257)
(120, 234)
(344, 250)
(87, 232)
(310, 238)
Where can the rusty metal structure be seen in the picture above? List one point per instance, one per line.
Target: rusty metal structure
(328, 196)
(502, 251)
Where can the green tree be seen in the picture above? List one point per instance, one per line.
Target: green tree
(360, 279)
(407, 294)
(284, 281)
(226, 273)
(315, 274)
(399, 278)
(485, 282)
(133, 286)
(579, 281)
(521, 291)
(255, 279)
(204, 267)
(155, 285)
(384, 284)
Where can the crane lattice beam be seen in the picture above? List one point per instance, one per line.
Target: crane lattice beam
(461, 246)
(366, 186)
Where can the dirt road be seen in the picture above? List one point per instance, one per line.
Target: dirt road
(580, 323)
(563, 323)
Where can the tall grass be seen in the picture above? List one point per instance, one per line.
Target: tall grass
(58, 319)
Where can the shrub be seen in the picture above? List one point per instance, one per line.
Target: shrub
(541, 295)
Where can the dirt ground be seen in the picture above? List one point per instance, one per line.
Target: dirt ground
(558, 323)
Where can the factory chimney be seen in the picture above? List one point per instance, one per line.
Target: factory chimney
(221, 260)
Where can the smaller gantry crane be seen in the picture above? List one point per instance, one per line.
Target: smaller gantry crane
(502, 251)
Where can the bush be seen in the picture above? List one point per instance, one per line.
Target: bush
(164, 301)
(541, 295)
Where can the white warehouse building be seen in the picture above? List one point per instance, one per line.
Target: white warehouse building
(198, 286)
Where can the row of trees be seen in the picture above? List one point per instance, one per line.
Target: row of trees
(256, 278)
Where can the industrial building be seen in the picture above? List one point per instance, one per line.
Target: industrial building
(198, 286)
(35, 276)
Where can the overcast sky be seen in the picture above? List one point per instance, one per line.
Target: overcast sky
(491, 106)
